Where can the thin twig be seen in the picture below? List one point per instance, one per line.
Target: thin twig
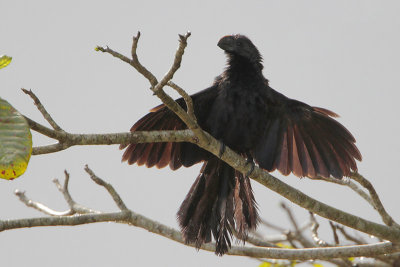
(387, 219)
(176, 64)
(42, 110)
(138, 66)
(347, 182)
(106, 49)
(297, 235)
(322, 243)
(290, 216)
(335, 235)
(271, 225)
(74, 207)
(39, 206)
(117, 199)
(157, 87)
(314, 230)
(186, 97)
(254, 240)
(356, 240)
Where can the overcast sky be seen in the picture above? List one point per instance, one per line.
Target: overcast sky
(342, 55)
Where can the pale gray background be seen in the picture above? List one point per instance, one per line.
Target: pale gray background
(341, 55)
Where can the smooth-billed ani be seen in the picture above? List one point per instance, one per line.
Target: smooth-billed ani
(242, 111)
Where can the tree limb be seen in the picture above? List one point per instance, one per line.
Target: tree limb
(129, 217)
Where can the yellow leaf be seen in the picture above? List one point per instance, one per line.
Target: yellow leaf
(4, 61)
(265, 264)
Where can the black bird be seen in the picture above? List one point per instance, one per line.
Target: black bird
(242, 111)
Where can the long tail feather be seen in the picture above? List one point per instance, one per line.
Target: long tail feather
(220, 200)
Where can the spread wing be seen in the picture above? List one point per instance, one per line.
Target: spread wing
(305, 140)
(173, 154)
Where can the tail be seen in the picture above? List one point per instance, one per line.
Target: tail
(220, 200)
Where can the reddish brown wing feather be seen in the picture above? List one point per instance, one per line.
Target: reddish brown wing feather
(161, 118)
(308, 142)
(157, 154)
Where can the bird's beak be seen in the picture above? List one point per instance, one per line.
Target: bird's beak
(227, 43)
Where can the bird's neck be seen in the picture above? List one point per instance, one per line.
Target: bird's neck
(240, 68)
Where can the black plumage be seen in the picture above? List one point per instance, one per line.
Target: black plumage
(246, 114)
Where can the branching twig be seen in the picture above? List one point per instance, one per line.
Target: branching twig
(298, 234)
(272, 226)
(387, 219)
(347, 182)
(74, 207)
(39, 206)
(356, 240)
(139, 67)
(157, 87)
(186, 97)
(335, 235)
(291, 216)
(117, 199)
(42, 110)
(314, 230)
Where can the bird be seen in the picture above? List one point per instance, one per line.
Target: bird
(271, 130)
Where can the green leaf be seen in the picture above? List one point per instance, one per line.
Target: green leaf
(4, 61)
(15, 142)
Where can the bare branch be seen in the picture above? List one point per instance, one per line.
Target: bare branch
(138, 66)
(106, 49)
(157, 87)
(356, 240)
(39, 206)
(44, 130)
(42, 110)
(314, 230)
(132, 218)
(291, 216)
(387, 219)
(347, 182)
(67, 139)
(138, 220)
(117, 199)
(335, 235)
(255, 240)
(74, 207)
(39, 150)
(297, 235)
(176, 65)
(186, 97)
(271, 225)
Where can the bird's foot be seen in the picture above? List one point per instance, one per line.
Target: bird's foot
(221, 149)
(250, 161)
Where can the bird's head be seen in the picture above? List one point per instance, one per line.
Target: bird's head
(240, 45)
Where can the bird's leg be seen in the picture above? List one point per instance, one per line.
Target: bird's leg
(249, 160)
(221, 148)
